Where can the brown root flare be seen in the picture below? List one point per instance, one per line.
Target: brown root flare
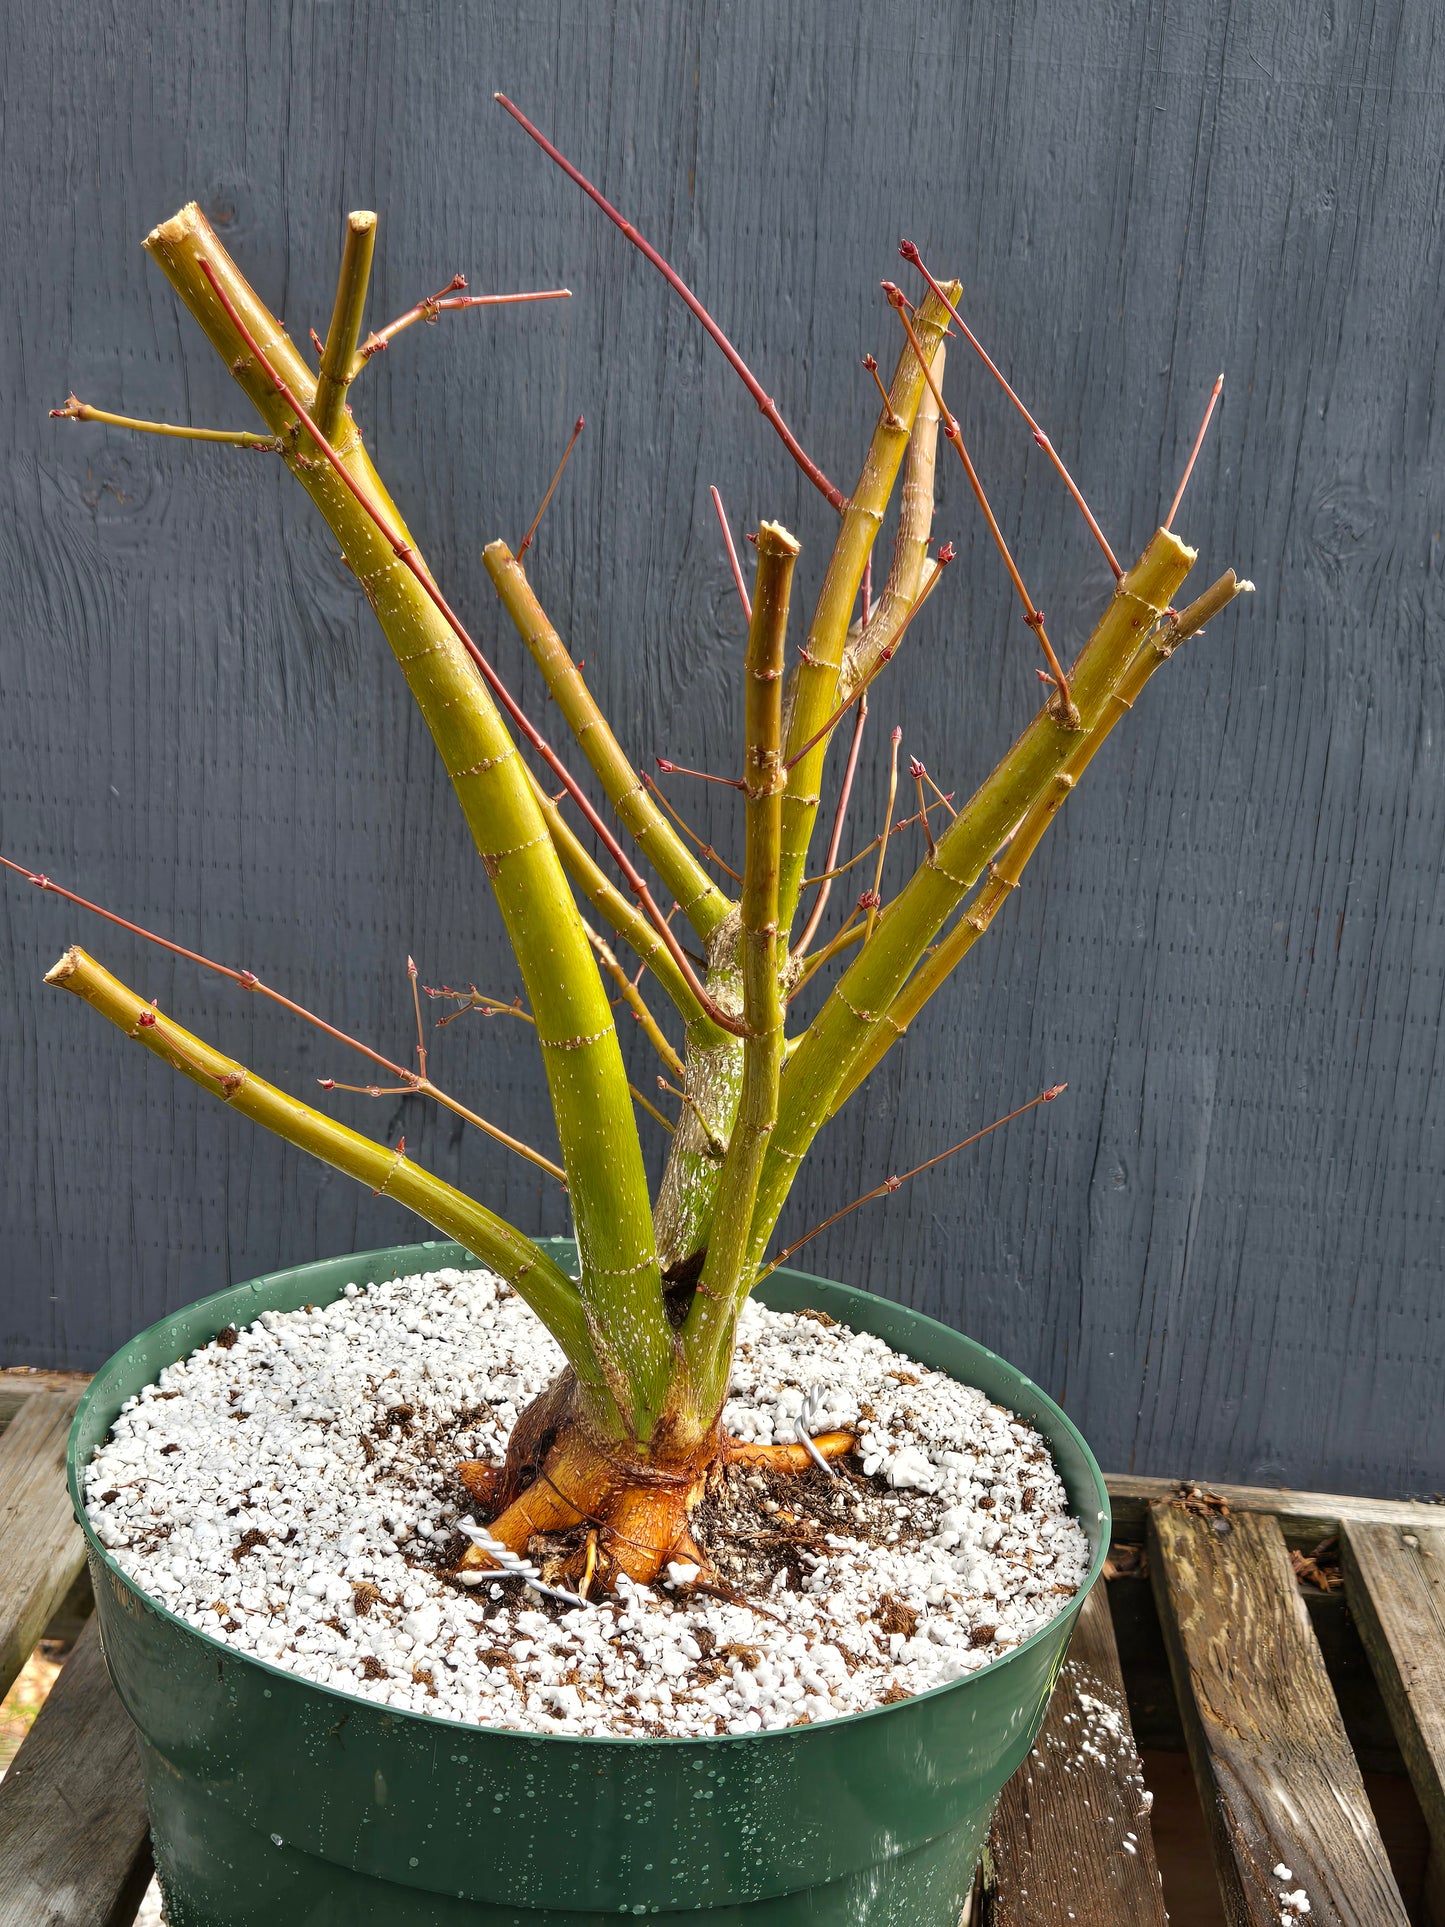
(559, 1475)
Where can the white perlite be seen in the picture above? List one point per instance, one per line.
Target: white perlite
(290, 1493)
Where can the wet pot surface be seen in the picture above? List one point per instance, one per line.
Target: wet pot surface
(279, 1801)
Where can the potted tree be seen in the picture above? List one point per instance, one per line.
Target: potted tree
(624, 1483)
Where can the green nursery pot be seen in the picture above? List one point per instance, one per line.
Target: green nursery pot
(277, 1802)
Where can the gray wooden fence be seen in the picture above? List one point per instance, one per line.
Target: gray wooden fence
(1223, 1248)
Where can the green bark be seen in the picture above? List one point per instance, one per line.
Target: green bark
(620, 1281)
(732, 1260)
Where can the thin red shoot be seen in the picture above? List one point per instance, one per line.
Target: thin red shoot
(416, 1006)
(406, 555)
(910, 253)
(435, 305)
(675, 281)
(876, 893)
(416, 1084)
(526, 541)
(702, 775)
(1033, 617)
(918, 773)
(810, 929)
(890, 1185)
(727, 534)
(903, 823)
(650, 784)
(944, 557)
(870, 362)
(473, 999)
(1214, 394)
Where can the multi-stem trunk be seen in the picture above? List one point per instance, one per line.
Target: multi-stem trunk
(618, 1450)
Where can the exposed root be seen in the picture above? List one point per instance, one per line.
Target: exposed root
(559, 1476)
(789, 1458)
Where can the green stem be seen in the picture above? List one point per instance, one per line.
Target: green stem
(596, 1126)
(702, 902)
(732, 1260)
(345, 330)
(813, 687)
(1006, 872)
(546, 1288)
(81, 411)
(839, 1034)
(636, 930)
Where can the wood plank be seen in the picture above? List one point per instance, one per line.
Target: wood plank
(1277, 1778)
(74, 1840)
(1395, 1585)
(41, 1549)
(1071, 1841)
(1306, 1517)
(18, 1382)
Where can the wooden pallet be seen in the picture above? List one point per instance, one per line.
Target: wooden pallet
(1259, 1686)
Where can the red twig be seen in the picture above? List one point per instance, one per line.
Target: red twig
(1193, 454)
(952, 433)
(810, 929)
(871, 364)
(416, 1006)
(417, 1084)
(406, 555)
(655, 788)
(473, 999)
(910, 253)
(702, 775)
(918, 773)
(434, 305)
(903, 823)
(890, 1185)
(526, 541)
(675, 281)
(742, 587)
(944, 557)
(876, 893)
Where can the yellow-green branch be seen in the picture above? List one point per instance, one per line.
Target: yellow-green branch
(391, 1173)
(731, 1262)
(703, 903)
(596, 1127)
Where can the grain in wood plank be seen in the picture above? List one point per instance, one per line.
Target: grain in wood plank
(74, 1840)
(1071, 1841)
(1277, 1778)
(1305, 1517)
(1395, 1585)
(41, 1550)
(18, 1382)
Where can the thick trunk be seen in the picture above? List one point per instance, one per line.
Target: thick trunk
(627, 1508)
(683, 1214)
